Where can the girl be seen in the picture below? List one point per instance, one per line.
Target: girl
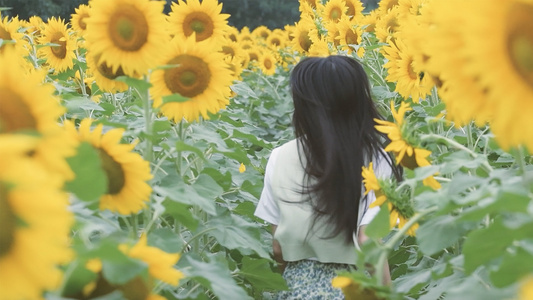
(313, 192)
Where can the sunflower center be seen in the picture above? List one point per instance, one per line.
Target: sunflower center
(275, 42)
(190, 78)
(228, 51)
(351, 37)
(128, 28)
(268, 63)
(106, 71)
(408, 161)
(351, 9)
(232, 37)
(15, 115)
(335, 14)
(304, 41)
(412, 74)
(8, 222)
(198, 22)
(81, 21)
(61, 50)
(520, 41)
(253, 56)
(115, 174)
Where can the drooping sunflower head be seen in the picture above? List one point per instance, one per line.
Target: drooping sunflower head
(59, 56)
(201, 76)
(204, 20)
(78, 20)
(130, 34)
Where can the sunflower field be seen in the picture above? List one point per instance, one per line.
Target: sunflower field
(133, 146)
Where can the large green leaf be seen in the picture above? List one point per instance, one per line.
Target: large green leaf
(215, 276)
(90, 180)
(260, 275)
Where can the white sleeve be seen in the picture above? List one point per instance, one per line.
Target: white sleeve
(267, 208)
(382, 169)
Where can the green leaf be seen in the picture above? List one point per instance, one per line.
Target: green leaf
(182, 146)
(117, 267)
(165, 239)
(438, 233)
(260, 275)
(182, 213)
(90, 182)
(217, 277)
(139, 84)
(177, 98)
(379, 226)
(243, 89)
(173, 187)
(234, 232)
(515, 265)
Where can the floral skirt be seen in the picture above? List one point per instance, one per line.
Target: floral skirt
(310, 279)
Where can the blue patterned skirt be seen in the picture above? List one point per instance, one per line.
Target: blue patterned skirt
(310, 279)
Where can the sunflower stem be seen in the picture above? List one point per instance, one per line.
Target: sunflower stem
(389, 245)
(451, 143)
(469, 139)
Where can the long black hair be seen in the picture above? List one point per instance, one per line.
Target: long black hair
(334, 123)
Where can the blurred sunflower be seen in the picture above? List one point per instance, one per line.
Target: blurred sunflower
(386, 5)
(261, 32)
(320, 47)
(276, 41)
(104, 75)
(387, 25)
(160, 263)
(333, 10)
(232, 33)
(34, 218)
(398, 202)
(35, 26)
(403, 68)
(78, 20)
(201, 75)
(354, 9)
(401, 144)
(128, 34)
(369, 21)
(28, 106)
(302, 35)
(245, 35)
(235, 65)
(503, 66)
(9, 31)
(204, 20)
(268, 63)
(254, 54)
(408, 8)
(127, 172)
(350, 34)
(61, 56)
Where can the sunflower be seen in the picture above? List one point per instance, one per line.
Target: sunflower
(268, 63)
(276, 40)
(33, 219)
(203, 19)
(78, 20)
(503, 66)
(160, 263)
(387, 5)
(408, 8)
(127, 172)
(254, 54)
(201, 76)
(9, 31)
(403, 69)
(245, 35)
(61, 56)
(28, 105)
(235, 65)
(320, 47)
(354, 9)
(334, 10)
(128, 34)
(350, 34)
(387, 25)
(104, 75)
(398, 202)
(307, 6)
(261, 32)
(232, 33)
(369, 21)
(406, 154)
(302, 35)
